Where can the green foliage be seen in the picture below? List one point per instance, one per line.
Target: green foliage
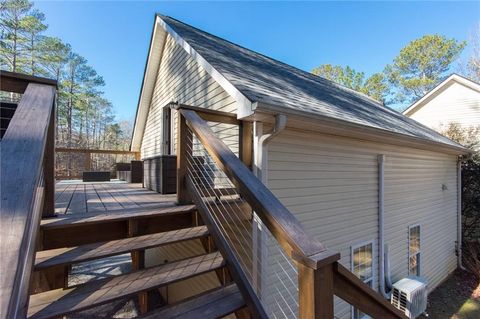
(84, 117)
(470, 138)
(374, 86)
(421, 65)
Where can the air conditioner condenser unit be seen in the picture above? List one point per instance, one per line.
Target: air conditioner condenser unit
(410, 296)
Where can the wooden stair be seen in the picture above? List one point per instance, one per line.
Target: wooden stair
(64, 301)
(74, 220)
(210, 305)
(55, 303)
(70, 255)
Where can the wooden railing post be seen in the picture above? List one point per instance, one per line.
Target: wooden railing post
(184, 146)
(246, 143)
(88, 161)
(49, 169)
(315, 286)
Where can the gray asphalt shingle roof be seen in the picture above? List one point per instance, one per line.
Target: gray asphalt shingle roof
(265, 80)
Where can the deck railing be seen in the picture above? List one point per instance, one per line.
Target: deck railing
(281, 271)
(27, 184)
(71, 162)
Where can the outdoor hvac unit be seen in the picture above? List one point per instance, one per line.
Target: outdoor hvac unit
(410, 296)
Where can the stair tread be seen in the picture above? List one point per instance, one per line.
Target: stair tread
(71, 255)
(124, 214)
(64, 301)
(210, 305)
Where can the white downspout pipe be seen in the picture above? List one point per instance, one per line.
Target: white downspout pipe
(381, 213)
(260, 157)
(459, 213)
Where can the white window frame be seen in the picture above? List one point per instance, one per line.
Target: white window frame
(374, 275)
(419, 253)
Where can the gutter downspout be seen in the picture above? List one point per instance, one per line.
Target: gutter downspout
(381, 211)
(260, 155)
(459, 212)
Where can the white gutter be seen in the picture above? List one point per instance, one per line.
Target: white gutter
(261, 144)
(381, 240)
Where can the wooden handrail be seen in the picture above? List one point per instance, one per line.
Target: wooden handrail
(354, 291)
(93, 151)
(282, 224)
(320, 275)
(18, 82)
(23, 187)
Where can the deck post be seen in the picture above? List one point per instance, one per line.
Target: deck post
(184, 146)
(138, 262)
(315, 292)
(88, 161)
(245, 131)
(49, 169)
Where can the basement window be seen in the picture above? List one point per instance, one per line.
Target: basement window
(362, 267)
(414, 250)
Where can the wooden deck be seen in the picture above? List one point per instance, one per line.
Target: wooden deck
(77, 197)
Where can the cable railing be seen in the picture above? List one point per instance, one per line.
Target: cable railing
(281, 271)
(269, 271)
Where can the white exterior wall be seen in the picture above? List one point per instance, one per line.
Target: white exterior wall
(331, 185)
(457, 103)
(180, 79)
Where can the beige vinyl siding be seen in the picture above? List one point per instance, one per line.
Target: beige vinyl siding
(331, 185)
(180, 79)
(457, 103)
(414, 195)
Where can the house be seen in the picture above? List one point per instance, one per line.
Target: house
(357, 176)
(455, 100)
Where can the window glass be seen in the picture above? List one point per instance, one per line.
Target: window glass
(363, 268)
(414, 250)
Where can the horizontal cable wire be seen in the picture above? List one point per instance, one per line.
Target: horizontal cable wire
(277, 284)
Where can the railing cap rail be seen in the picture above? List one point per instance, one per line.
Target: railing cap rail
(279, 220)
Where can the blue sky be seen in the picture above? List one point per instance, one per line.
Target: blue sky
(114, 35)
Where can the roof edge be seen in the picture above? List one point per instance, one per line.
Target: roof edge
(438, 89)
(245, 106)
(367, 130)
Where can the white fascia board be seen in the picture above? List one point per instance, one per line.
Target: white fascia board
(149, 79)
(440, 87)
(244, 104)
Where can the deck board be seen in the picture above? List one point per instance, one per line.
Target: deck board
(76, 197)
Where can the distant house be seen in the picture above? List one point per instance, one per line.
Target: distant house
(357, 175)
(455, 100)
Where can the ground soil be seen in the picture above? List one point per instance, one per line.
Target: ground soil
(456, 298)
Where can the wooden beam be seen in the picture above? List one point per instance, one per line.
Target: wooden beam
(246, 143)
(209, 115)
(184, 147)
(18, 82)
